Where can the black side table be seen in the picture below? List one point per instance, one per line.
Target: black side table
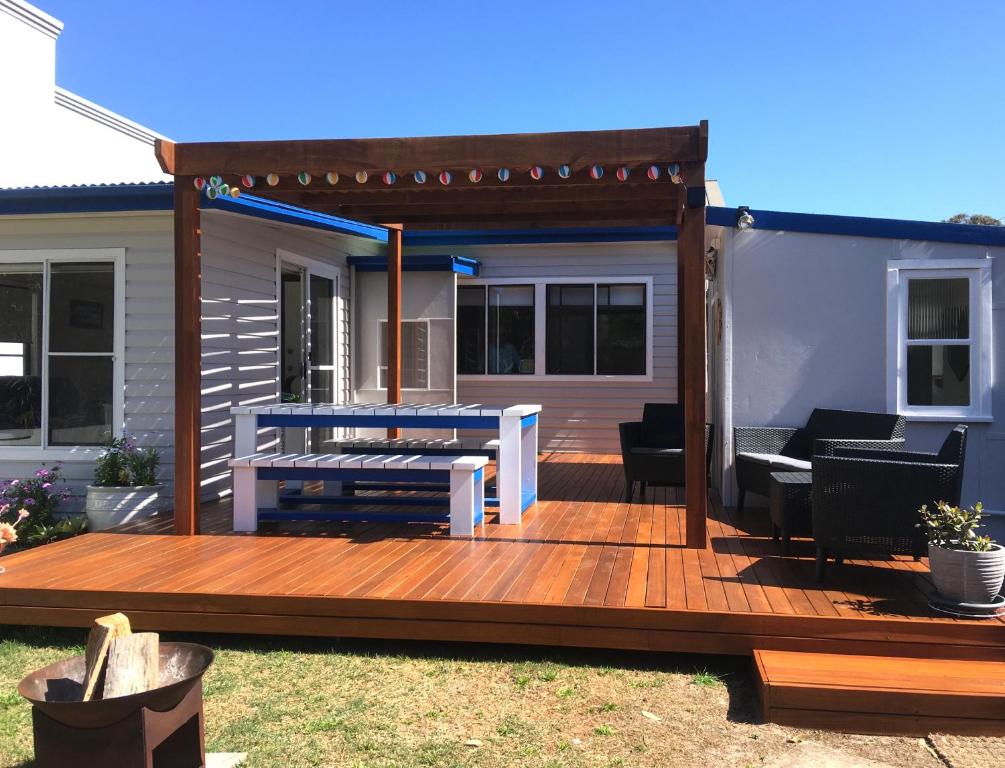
(789, 501)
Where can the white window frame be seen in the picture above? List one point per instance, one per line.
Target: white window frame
(381, 325)
(117, 257)
(540, 325)
(978, 273)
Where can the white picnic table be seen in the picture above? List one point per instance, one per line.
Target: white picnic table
(517, 426)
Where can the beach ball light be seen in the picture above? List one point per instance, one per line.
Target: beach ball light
(503, 175)
(596, 172)
(199, 182)
(537, 173)
(389, 177)
(215, 181)
(673, 169)
(564, 171)
(622, 173)
(332, 177)
(446, 177)
(247, 181)
(235, 192)
(272, 179)
(211, 193)
(304, 178)
(420, 177)
(224, 189)
(362, 176)
(474, 175)
(653, 173)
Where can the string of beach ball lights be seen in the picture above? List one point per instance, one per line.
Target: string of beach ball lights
(215, 187)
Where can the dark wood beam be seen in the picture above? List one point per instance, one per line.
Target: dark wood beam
(188, 340)
(504, 211)
(394, 320)
(578, 149)
(691, 253)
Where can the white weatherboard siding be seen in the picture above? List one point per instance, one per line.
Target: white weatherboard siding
(240, 348)
(583, 415)
(149, 365)
(807, 314)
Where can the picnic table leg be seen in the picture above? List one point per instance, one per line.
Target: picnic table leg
(463, 500)
(245, 492)
(528, 463)
(245, 434)
(508, 471)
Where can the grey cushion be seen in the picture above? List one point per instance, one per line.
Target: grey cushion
(776, 462)
(642, 450)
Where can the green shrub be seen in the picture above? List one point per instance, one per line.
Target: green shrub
(123, 463)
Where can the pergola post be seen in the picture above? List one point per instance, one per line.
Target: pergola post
(393, 320)
(691, 305)
(188, 340)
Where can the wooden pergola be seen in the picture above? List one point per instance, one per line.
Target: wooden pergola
(466, 182)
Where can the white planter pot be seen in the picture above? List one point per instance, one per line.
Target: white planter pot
(967, 577)
(108, 507)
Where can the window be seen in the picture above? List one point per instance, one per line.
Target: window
(60, 377)
(558, 327)
(940, 331)
(495, 329)
(414, 354)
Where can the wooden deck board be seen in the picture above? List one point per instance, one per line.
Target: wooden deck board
(585, 568)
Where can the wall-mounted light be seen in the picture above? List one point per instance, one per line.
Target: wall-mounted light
(744, 218)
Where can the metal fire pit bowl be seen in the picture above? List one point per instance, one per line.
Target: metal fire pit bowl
(57, 689)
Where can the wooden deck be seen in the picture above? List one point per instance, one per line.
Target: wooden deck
(585, 569)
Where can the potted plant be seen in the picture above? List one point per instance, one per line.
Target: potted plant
(31, 504)
(966, 568)
(125, 485)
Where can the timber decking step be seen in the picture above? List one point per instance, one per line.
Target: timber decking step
(881, 694)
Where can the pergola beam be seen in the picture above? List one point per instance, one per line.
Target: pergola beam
(578, 149)
(188, 352)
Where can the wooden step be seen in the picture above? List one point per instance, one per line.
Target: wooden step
(881, 694)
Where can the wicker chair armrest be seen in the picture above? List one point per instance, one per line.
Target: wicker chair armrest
(903, 457)
(763, 439)
(631, 435)
(836, 446)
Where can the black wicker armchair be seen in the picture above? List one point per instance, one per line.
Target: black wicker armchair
(759, 451)
(652, 450)
(868, 499)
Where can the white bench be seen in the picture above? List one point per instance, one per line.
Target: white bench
(256, 483)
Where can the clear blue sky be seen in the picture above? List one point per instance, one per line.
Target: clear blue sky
(875, 108)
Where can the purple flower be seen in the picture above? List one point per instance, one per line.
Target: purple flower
(13, 482)
(29, 502)
(46, 486)
(42, 472)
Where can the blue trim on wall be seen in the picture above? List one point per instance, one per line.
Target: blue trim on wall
(291, 214)
(462, 265)
(533, 236)
(98, 199)
(160, 197)
(859, 226)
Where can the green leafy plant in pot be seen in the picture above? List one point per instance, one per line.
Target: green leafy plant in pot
(125, 487)
(966, 567)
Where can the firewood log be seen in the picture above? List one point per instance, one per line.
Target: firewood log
(105, 629)
(133, 665)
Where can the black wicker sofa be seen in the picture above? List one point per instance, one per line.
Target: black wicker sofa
(759, 451)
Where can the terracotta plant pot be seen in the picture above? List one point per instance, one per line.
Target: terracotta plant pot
(967, 577)
(108, 507)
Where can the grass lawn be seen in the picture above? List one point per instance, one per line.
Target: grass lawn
(324, 703)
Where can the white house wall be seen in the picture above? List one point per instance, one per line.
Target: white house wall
(149, 303)
(583, 415)
(240, 326)
(807, 314)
